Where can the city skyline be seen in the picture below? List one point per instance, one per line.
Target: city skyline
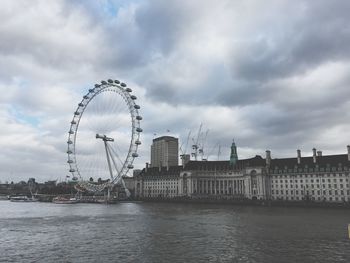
(243, 69)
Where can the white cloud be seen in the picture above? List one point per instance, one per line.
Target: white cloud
(243, 69)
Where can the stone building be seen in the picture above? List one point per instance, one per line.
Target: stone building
(315, 178)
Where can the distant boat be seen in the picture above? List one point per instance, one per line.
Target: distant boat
(22, 198)
(65, 200)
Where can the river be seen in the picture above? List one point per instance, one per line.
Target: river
(171, 232)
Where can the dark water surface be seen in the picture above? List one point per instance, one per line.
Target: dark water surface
(160, 232)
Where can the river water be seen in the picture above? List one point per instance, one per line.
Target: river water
(169, 232)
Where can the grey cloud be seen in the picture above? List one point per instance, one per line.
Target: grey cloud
(318, 34)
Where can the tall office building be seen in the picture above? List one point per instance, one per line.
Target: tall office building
(165, 152)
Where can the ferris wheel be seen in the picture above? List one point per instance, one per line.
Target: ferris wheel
(104, 136)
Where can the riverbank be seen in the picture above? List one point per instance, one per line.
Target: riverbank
(247, 202)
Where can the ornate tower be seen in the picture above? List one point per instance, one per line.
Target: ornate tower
(233, 156)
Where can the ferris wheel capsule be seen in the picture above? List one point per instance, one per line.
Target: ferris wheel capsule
(103, 82)
(123, 84)
(110, 81)
(116, 81)
(139, 118)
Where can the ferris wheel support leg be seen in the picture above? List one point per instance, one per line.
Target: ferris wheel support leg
(113, 161)
(108, 160)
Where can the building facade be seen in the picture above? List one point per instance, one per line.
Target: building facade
(315, 178)
(165, 152)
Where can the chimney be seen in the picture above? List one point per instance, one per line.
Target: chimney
(319, 153)
(268, 157)
(299, 156)
(348, 152)
(314, 155)
(146, 167)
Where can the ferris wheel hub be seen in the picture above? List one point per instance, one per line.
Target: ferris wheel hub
(104, 138)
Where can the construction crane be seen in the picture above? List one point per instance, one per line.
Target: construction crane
(201, 149)
(184, 150)
(219, 152)
(212, 150)
(195, 145)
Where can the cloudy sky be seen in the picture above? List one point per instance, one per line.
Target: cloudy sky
(272, 74)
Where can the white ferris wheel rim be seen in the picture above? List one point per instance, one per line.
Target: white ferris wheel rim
(121, 89)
